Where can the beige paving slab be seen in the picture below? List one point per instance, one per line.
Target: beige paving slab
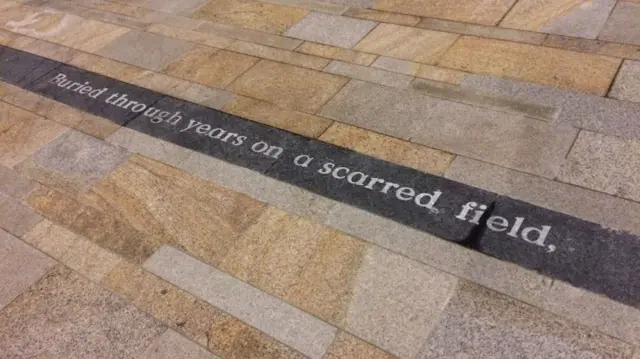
(44, 49)
(190, 35)
(239, 33)
(251, 14)
(486, 12)
(17, 219)
(118, 8)
(407, 43)
(22, 133)
(173, 7)
(347, 346)
(330, 29)
(288, 86)
(90, 35)
(14, 184)
(365, 73)
(173, 345)
(64, 312)
(148, 146)
(382, 16)
(210, 67)
(533, 14)
(593, 46)
(108, 67)
(275, 54)
(482, 31)
(113, 18)
(622, 26)
(206, 325)
(73, 162)
(481, 323)
(97, 127)
(388, 148)
(288, 324)
(604, 163)
(272, 115)
(43, 23)
(430, 72)
(627, 84)
(20, 266)
(542, 65)
(172, 20)
(337, 53)
(591, 205)
(7, 37)
(140, 48)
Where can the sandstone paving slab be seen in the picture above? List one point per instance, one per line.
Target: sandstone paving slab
(173, 7)
(330, 29)
(337, 53)
(482, 31)
(15, 185)
(65, 315)
(485, 12)
(141, 48)
(20, 266)
(270, 53)
(623, 26)
(627, 84)
(382, 16)
(239, 33)
(364, 73)
(593, 46)
(16, 218)
(172, 345)
(348, 346)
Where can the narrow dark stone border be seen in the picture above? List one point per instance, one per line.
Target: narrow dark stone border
(564, 247)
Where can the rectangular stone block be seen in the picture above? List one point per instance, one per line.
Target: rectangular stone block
(238, 33)
(269, 314)
(173, 345)
(270, 53)
(190, 35)
(627, 84)
(15, 185)
(593, 46)
(382, 16)
(493, 32)
(486, 12)
(337, 53)
(330, 29)
(622, 26)
(369, 74)
(148, 146)
(319, 6)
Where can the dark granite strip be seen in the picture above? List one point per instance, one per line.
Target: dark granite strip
(582, 253)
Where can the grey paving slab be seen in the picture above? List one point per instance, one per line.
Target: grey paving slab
(20, 266)
(585, 20)
(608, 116)
(478, 323)
(64, 315)
(269, 314)
(623, 25)
(174, 7)
(627, 84)
(15, 185)
(331, 29)
(365, 73)
(148, 146)
(593, 206)
(146, 50)
(16, 218)
(364, 4)
(171, 345)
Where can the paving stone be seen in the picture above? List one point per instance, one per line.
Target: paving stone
(89, 36)
(481, 323)
(401, 325)
(627, 84)
(23, 134)
(421, 70)
(141, 48)
(172, 20)
(44, 48)
(210, 67)
(51, 239)
(353, 3)
(542, 65)
(118, 8)
(408, 43)
(330, 29)
(206, 325)
(382, 16)
(113, 18)
(604, 163)
(172, 345)
(20, 68)
(347, 346)
(271, 115)
(41, 23)
(64, 312)
(288, 86)
(206, 96)
(486, 12)
(181, 7)
(73, 162)
(299, 261)
(148, 146)
(365, 73)
(270, 53)
(337, 53)
(190, 35)
(15, 185)
(107, 67)
(590, 205)
(269, 314)
(593, 46)
(482, 31)
(97, 127)
(388, 148)
(20, 266)
(236, 32)
(575, 18)
(622, 25)
(251, 14)
(319, 6)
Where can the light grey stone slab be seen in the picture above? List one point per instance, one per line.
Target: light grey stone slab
(331, 29)
(174, 7)
(479, 323)
(623, 25)
(493, 32)
(364, 4)
(258, 37)
(269, 314)
(15, 217)
(64, 315)
(15, 185)
(365, 73)
(266, 189)
(585, 20)
(612, 212)
(20, 266)
(604, 163)
(609, 116)
(146, 50)
(396, 65)
(151, 147)
(627, 84)
(171, 345)
(396, 301)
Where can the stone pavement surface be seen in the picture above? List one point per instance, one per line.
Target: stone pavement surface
(322, 179)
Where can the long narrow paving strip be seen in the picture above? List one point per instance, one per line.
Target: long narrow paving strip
(304, 179)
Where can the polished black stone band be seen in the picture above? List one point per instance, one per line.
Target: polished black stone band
(579, 252)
